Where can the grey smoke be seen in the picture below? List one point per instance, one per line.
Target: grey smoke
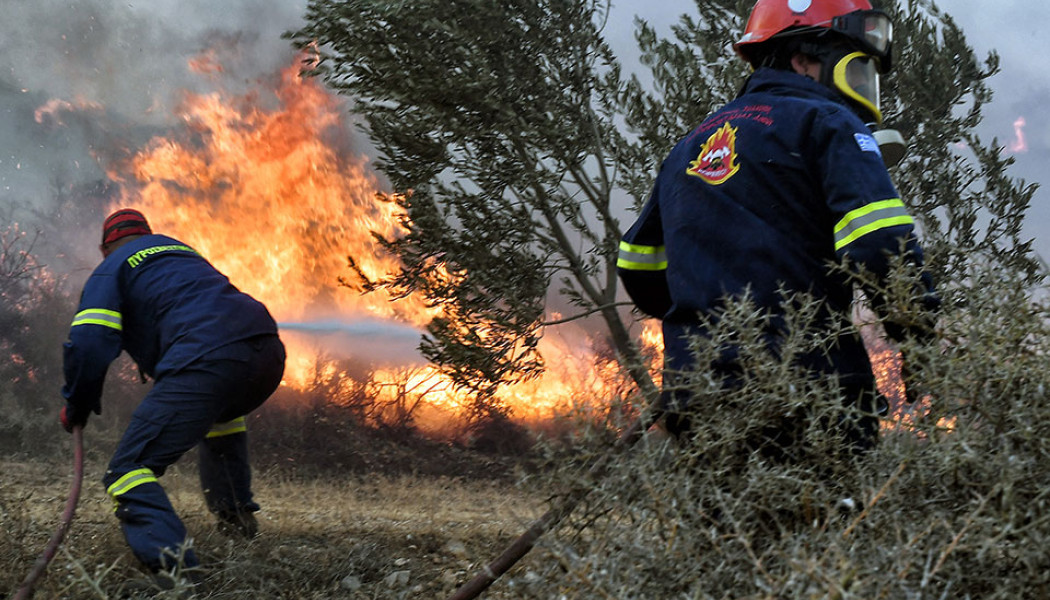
(129, 61)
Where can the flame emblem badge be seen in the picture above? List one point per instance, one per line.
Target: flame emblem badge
(717, 160)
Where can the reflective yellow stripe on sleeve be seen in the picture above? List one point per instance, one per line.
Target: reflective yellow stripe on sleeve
(98, 316)
(866, 219)
(633, 257)
(128, 482)
(238, 425)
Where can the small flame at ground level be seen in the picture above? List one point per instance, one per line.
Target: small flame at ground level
(886, 362)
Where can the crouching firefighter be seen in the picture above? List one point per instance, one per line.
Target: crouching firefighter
(214, 355)
(770, 190)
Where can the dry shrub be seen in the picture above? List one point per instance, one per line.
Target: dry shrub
(36, 309)
(952, 503)
(30, 344)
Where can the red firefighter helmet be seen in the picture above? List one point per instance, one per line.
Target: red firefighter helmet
(871, 30)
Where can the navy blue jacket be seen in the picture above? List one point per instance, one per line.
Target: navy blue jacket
(163, 303)
(766, 193)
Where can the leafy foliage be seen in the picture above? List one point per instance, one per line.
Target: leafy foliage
(951, 503)
(958, 186)
(496, 123)
(500, 123)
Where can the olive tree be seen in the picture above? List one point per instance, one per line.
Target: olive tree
(511, 136)
(497, 126)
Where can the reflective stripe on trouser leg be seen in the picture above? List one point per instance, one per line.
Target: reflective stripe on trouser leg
(128, 482)
(152, 529)
(238, 425)
(225, 473)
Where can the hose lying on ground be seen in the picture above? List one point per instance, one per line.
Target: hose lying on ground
(25, 591)
(521, 546)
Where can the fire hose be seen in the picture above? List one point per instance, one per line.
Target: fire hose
(521, 546)
(25, 591)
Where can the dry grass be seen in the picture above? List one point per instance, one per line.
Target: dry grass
(321, 537)
(956, 505)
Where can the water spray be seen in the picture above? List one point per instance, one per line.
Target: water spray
(367, 328)
(378, 341)
(25, 591)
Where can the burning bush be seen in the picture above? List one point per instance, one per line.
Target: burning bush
(30, 299)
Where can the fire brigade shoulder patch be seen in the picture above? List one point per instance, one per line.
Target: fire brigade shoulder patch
(717, 160)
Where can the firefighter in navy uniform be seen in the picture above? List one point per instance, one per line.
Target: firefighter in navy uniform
(214, 355)
(773, 187)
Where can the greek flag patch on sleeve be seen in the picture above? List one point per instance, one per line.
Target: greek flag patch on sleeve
(867, 143)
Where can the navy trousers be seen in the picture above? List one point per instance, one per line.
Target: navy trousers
(859, 432)
(204, 404)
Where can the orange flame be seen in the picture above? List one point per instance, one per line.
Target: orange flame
(54, 108)
(206, 63)
(275, 207)
(886, 363)
(1018, 145)
(273, 198)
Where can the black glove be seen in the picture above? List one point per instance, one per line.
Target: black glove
(71, 416)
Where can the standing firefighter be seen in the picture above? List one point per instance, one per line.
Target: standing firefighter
(773, 188)
(214, 355)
